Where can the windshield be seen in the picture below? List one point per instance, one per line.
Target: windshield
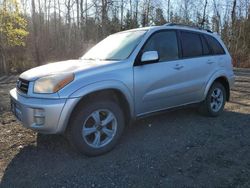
(115, 47)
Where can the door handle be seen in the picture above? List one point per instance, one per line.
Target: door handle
(210, 62)
(178, 67)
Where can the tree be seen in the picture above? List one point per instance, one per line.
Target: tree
(202, 23)
(159, 17)
(186, 10)
(64, 29)
(104, 18)
(12, 30)
(122, 9)
(146, 13)
(168, 2)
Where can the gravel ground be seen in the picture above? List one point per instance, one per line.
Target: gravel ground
(174, 149)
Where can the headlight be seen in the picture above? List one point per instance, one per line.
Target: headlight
(52, 83)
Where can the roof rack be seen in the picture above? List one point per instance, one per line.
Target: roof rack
(188, 26)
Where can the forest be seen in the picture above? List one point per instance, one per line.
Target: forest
(35, 32)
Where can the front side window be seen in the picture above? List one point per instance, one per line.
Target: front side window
(118, 46)
(214, 45)
(165, 43)
(191, 45)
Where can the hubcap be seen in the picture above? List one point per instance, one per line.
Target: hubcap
(99, 128)
(216, 100)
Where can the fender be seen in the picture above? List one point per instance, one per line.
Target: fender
(213, 77)
(107, 84)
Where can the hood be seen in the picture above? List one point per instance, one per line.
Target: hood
(69, 66)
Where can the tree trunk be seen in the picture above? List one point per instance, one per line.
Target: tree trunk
(168, 10)
(233, 32)
(218, 25)
(204, 15)
(3, 61)
(35, 33)
(68, 12)
(233, 19)
(55, 24)
(82, 18)
(131, 10)
(48, 19)
(104, 18)
(77, 14)
(122, 14)
(86, 21)
(233, 13)
(86, 12)
(136, 11)
(147, 14)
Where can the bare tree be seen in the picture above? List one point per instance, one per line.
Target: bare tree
(216, 20)
(78, 13)
(233, 21)
(62, 29)
(204, 15)
(35, 32)
(122, 9)
(104, 18)
(168, 10)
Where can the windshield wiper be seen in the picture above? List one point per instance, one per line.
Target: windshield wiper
(107, 59)
(110, 59)
(88, 59)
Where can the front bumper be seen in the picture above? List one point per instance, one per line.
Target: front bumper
(48, 116)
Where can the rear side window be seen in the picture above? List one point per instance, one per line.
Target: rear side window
(191, 45)
(206, 50)
(214, 45)
(165, 43)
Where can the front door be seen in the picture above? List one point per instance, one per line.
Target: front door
(162, 84)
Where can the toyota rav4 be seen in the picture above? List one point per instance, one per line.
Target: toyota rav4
(127, 75)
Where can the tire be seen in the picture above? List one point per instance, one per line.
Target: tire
(215, 100)
(89, 134)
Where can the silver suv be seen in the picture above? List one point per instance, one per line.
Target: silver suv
(127, 75)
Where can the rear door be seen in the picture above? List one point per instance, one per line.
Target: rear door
(198, 62)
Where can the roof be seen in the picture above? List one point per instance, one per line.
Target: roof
(173, 26)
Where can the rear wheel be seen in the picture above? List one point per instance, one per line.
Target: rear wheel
(215, 100)
(96, 127)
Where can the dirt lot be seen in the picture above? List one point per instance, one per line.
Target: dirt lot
(175, 149)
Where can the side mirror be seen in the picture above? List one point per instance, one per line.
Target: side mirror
(150, 57)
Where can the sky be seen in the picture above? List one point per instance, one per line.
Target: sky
(176, 6)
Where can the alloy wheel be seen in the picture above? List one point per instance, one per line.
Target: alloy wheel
(216, 100)
(99, 128)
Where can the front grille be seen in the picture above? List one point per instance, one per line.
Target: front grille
(22, 85)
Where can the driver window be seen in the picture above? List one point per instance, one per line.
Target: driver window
(165, 43)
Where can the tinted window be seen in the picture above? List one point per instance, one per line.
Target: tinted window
(205, 47)
(214, 45)
(191, 44)
(165, 43)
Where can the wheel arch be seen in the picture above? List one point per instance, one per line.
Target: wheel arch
(106, 90)
(221, 79)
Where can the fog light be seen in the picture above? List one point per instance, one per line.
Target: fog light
(39, 116)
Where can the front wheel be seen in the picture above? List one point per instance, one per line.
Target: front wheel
(96, 127)
(215, 100)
